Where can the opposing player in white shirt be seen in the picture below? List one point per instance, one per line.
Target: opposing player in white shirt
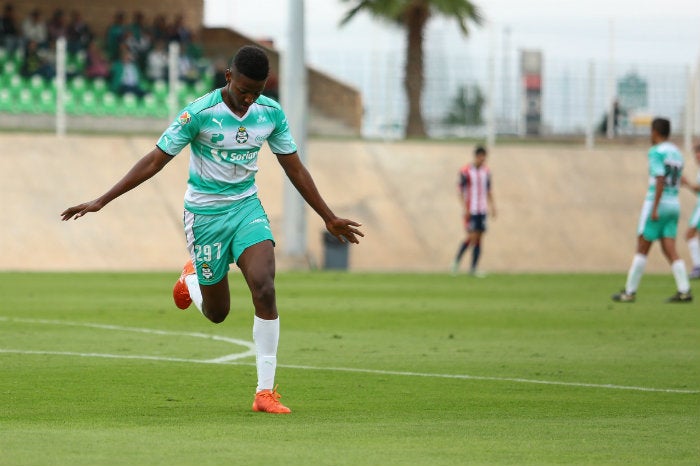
(474, 190)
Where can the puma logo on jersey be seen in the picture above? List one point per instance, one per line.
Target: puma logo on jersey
(218, 123)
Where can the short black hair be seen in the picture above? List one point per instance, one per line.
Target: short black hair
(662, 127)
(251, 61)
(480, 150)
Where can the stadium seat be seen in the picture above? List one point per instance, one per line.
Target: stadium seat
(78, 86)
(154, 108)
(36, 85)
(70, 103)
(129, 104)
(160, 89)
(6, 101)
(9, 69)
(87, 104)
(47, 101)
(15, 84)
(25, 101)
(99, 87)
(110, 104)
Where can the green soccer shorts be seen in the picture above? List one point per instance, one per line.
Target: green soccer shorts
(665, 227)
(216, 241)
(694, 221)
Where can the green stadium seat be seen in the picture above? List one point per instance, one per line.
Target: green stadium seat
(9, 69)
(154, 108)
(160, 89)
(110, 104)
(6, 100)
(99, 87)
(78, 86)
(25, 101)
(16, 84)
(47, 101)
(70, 103)
(87, 104)
(129, 104)
(36, 84)
(202, 86)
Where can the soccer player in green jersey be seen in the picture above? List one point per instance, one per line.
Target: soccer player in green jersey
(223, 219)
(691, 235)
(659, 218)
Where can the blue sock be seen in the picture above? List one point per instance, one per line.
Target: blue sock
(476, 252)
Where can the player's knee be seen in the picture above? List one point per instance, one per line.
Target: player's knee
(264, 291)
(216, 314)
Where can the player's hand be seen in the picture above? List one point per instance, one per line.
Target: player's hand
(654, 215)
(79, 210)
(344, 230)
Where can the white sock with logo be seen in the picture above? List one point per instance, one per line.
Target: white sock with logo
(680, 275)
(195, 293)
(694, 247)
(266, 334)
(634, 276)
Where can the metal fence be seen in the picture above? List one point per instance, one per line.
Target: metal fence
(576, 95)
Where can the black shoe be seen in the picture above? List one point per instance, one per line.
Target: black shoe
(681, 297)
(624, 297)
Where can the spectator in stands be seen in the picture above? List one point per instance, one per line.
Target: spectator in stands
(219, 74)
(34, 29)
(187, 67)
(139, 38)
(11, 37)
(137, 46)
(78, 33)
(96, 62)
(56, 26)
(179, 32)
(126, 76)
(159, 30)
(157, 62)
(37, 61)
(114, 36)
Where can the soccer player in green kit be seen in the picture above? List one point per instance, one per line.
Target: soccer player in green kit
(659, 217)
(223, 219)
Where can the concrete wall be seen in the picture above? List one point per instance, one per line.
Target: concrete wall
(559, 208)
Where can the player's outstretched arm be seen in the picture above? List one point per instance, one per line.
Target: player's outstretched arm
(145, 168)
(343, 229)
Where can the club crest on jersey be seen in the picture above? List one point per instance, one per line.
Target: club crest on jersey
(206, 271)
(241, 135)
(184, 118)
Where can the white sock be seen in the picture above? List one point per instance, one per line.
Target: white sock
(680, 275)
(694, 247)
(266, 334)
(195, 293)
(634, 276)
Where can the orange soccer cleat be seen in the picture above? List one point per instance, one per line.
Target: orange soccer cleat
(181, 295)
(268, 401)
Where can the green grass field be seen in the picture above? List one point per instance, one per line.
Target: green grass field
(379, 369)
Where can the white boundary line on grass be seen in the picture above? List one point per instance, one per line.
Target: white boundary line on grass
(235, 357)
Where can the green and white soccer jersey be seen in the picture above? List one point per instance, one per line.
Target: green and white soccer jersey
(225, 148)
(664, 160)
(694, 221)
